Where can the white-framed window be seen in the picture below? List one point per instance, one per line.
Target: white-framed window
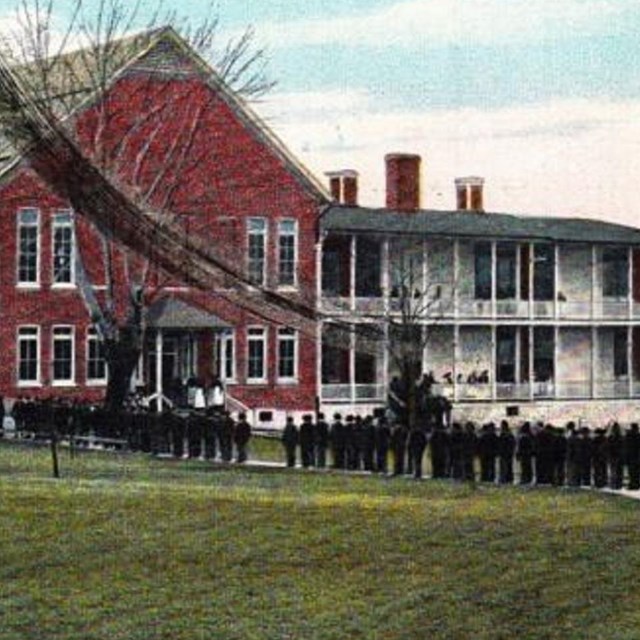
(256, 354)
(63, 249)
(28, 356)
(62, 356)
(225, 358)
(287, 355)
(257, 249)
(28, 242)
(287, 252)
(96, 361)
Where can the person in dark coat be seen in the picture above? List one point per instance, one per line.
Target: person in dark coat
(439, 449)
(573, 456)
(382, 439)
(545, 440)
(470, 446)
(226, 436)
(307, 441)
(177, 426)
(194, 434)
(585, 457)
(506, 448)
(456, 452)
(488, 451)
(358, 443)
(525, 453)
(416, 445)
(350, 444)
(241, 437)
(599, 457)
(632, 456)
(398, 448)
(211, 427)
(368, 440)
(559, 455)
(337, 437)
(321, 441)
(290, 437)
(615, 451)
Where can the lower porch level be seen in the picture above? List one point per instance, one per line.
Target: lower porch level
(484, 370)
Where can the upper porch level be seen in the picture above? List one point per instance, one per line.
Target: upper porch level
(478, 279)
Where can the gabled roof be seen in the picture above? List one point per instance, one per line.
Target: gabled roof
(71, 82)
(472, 224)
(174, 313)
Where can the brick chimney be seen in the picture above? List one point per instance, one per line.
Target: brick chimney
(344, 186)
(403, 181)
(469, 193)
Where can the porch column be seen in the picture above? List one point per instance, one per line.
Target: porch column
(425, 269)
(630, 360)
(556, 280)
(494, 272)
(352, 363)
(556, 343)
(385, 362)
(518, 283)
(386, 276)
(494, 358)
(594, 277)
(630, 282)
(352, 273)
(532, 266)
(518, 355)
(594, 361)
(159, 390)
(531, 365)
(456, 277)
(456, 358)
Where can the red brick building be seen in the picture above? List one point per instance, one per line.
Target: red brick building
(179, 136)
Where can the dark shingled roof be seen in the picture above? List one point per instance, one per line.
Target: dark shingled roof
(474, 224)
(173, 313)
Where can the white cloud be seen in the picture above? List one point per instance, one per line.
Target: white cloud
(424, 22)
(566, 157)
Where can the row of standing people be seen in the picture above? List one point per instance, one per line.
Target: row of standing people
(544, 454)
(210, 434)
(358, 443)
(539, 453)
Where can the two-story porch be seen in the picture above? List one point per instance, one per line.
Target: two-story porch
(515, 310)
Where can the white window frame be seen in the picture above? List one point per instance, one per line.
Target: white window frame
(55, 223)
(265, 245)
(65, 382)
(294, 234)
(221, 346)
(28, 284)
(38, 381)
(93, 335)
(286, 334)
(265, 341)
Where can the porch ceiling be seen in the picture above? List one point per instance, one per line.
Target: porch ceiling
(173, 313)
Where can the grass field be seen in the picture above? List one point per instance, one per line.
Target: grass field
(124, 546)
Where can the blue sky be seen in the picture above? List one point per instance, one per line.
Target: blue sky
(539, 96)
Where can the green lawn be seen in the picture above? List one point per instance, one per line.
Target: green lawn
(126, 547)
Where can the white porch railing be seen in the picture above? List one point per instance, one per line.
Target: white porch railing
(353, 393)
(513, 390)
(574, 388)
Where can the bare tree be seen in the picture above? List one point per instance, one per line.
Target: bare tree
(417, 304)
(148, 156)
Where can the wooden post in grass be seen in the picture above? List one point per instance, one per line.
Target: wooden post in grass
(54, 453)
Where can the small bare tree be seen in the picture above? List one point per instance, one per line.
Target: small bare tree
(149, 156)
